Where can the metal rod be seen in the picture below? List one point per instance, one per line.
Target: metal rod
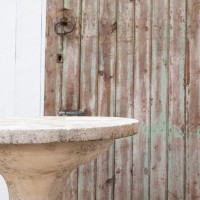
(72, 113)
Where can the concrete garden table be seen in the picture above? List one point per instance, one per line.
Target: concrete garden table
(37, 154)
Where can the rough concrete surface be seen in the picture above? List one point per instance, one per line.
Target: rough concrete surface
(62, 129)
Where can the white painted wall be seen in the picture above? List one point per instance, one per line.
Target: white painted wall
(22, 46)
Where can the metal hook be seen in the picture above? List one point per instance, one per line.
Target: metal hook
(62, 25)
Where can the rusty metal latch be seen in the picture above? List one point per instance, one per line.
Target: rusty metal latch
(72, 113)
(64, 27)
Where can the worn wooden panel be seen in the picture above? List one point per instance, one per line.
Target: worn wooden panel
(176, 93)
(88, 87)
(71, 188)
(124, 97)
(106, 92)
(71, 59)
(144, 74)
(71, 78)
(159, 100)
(142, 71)
(193, 101)
(53, 71)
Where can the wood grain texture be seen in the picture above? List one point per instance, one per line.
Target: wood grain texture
(88, 88)
(71, 59)
(193, 101)
(106, 92)
(176, 139)
(159, 100)
(53, 71)
(124, 97)
(71, 188)
(142, 72)
(71, 78)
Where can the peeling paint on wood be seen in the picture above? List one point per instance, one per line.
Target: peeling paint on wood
(124, 97)
(53, 72)
(176, 116)
(132, 58)
(71, 60)
(71, 77)
(142, 71)
(88, 88)
(106, 93)
(159, 88)
(193, 101)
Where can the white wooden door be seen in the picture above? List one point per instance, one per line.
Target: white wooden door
(22, 41)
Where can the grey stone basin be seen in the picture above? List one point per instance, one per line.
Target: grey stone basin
(37, 154)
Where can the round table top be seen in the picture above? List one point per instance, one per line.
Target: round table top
(64, 129)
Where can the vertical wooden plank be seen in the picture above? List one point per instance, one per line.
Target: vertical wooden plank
(53, 69)
(107, 58)
(28, 58)
(159, 97)
(124, 97)
(71, 188)
(142, 72)
(88, 84)
(71, 59)
(176, 139)
(106, 92)
(71, 77)
(193, 101)
(7, 57)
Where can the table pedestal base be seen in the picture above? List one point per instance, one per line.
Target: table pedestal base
(44, 187)
(39, 171)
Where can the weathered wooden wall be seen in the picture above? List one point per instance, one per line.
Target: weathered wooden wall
(136, 59)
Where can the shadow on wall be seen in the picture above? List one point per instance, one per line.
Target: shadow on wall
(3, 189)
